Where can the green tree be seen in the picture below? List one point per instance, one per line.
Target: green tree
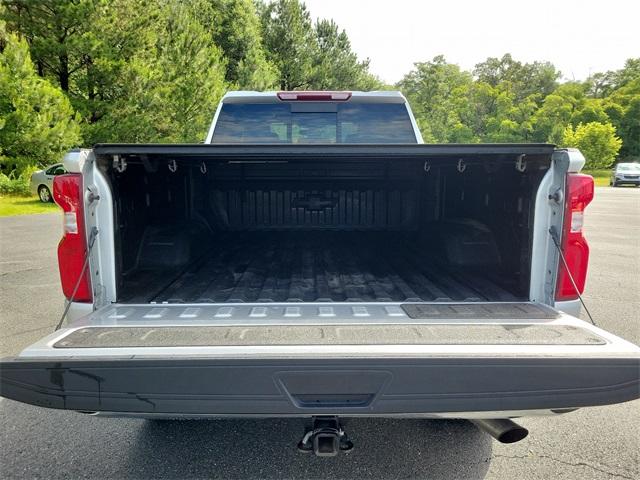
(565, 106)
(629, 127)
(84, 45)
(623, 108)
(450, 106)
(510, 121)
(119, 31)
(335, 64)
(57, 33)
(169, 90)
(311, 56)
(438, 92)
(525, 79)
(37, 122)
(235, 28)
(597, 142)
(289, 41)
(603, 84)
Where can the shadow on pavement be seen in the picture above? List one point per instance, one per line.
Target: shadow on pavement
(251, 449)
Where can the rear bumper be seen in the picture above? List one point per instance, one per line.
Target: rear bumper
(627, 181)
(294, 387)
(344, 359)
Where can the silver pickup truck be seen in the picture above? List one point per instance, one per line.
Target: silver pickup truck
(313, 258)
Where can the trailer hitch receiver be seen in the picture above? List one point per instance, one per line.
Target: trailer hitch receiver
(325, 438)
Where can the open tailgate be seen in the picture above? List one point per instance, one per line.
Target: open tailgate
(313, 359)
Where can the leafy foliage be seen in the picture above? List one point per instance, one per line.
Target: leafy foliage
(335, 65)
(504, 100)
(623, 108)
(58, 33)
(439, 93)
(289, 42)
(235, 28)
(16, 184)
(538, 78)
(308, 56)
(37, 123)
(597, 142)
(169, 90)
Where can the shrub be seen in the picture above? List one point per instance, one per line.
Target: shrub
(598, 143)
(16, 185)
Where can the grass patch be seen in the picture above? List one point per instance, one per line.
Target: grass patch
(13, 205)
(600, 177)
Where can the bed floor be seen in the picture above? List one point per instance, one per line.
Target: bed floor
(314, 266)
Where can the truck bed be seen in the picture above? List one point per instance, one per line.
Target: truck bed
(314, 266)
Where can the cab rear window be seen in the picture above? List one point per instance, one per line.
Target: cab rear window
(314, 122)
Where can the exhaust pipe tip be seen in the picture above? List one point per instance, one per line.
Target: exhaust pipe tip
(514, 435)
(502, 429)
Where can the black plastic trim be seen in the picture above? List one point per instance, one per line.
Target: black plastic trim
(474, 311)
(315, 386)
(311, 152)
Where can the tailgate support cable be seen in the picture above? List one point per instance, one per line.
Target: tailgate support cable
(554, 236)
(90, 243)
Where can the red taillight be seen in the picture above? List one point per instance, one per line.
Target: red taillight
(72, 249)
(579, 193)
(315, 96)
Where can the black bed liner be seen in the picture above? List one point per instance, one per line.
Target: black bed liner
(314, 266)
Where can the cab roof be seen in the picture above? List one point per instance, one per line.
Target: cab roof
(382, 96)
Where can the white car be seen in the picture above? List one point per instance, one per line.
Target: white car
(42, 181)
(625, 174)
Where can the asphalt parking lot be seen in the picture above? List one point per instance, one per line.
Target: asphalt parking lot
(602, 442)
